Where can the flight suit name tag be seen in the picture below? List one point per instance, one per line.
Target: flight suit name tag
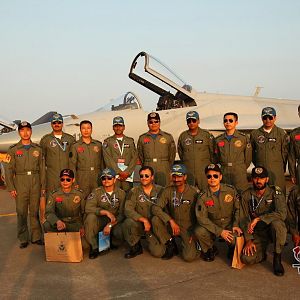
(186, 202)
(19, 153)
(269, 201)
(80, 149)
(209, 203)
(272, 140)
(199, 141)
(154, 160)
(59, 199)
(126, 146)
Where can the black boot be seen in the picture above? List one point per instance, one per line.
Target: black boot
(230, 252)
(135, 250)
(209, 255)
(277, 266)
(169, 253)
(93, 253)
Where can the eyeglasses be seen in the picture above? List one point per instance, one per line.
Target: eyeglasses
(191, 121)
(216, 176)
(144, 176)
(106, 178)
(66, 179)
(268, 117)
(57, 122)
(228, 121)
(153, 122)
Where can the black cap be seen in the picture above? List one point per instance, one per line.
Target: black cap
(213, 167)
(260, 172)
(153, 115)
(23, 125)
(67, 172)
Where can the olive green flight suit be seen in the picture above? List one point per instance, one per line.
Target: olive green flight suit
(56, 153)
(66, 207)
(124, 152)
(196, 152)
(86, 160)
(139, 205)
(272, 210)
(293, 211)
(294, 154)
(215, 214)
(25, 173)
(158, 153)
(270, 150)
(180, 208)
(100, 200)
(235, 156)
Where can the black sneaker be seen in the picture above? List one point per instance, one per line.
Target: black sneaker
(208, 256)
(169, 253)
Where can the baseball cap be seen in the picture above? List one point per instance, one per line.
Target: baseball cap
(57, 117)
(268, 111)
(24, 124)
(260, 172)
(118, 121)
(178, 170)
(213, 167)
(192, 115)
(153, 115)
(108, 172)
(67, 172)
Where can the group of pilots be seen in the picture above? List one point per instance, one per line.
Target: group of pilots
(88, 186)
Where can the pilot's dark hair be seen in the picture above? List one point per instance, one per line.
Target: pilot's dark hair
(232, 114)
(143, 168)
(85, 122)
(298, 108)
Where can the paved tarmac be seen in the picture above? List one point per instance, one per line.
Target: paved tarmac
(24, 274)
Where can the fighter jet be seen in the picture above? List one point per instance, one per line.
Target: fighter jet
(176, 98)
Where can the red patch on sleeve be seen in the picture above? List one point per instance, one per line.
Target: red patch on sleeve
(59, 199)
(297, 137)
(80, 149)
(209, 203)
(19, 152)
(221, 144)
(147, 140)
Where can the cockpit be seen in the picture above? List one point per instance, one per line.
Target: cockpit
(174, 92)
(123, 102)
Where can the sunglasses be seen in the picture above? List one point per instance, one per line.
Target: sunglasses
(267, 117)
(66, 179)
(228, 121)
(191, 121)
(153, 122)
(216, 176)
(106, 178)
(57, 122)
(144, 176)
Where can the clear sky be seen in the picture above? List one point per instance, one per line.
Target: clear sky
(72, 56)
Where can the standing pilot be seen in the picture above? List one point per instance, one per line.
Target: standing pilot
(157, 149)
(25, 178)
(196, 150)
(120, 154)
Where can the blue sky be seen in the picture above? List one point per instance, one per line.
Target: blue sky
(72, 56)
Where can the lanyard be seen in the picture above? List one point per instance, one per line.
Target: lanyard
(176, 201)
(63, 148)
(113, 202)
(146, 198)
(254, 208)
(120, 149)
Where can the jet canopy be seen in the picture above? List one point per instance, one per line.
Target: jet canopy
(174, 92)
(123, 102)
